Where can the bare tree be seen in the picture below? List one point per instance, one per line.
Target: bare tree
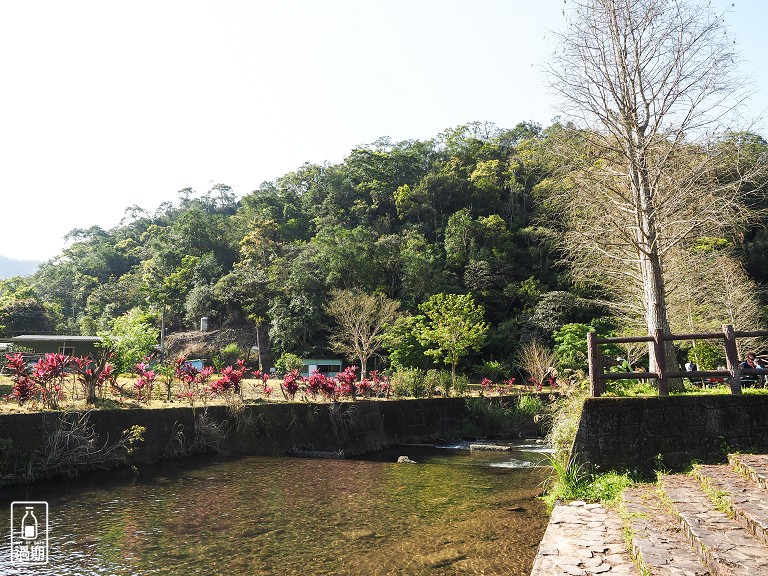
(360, 320)
(716, 290)
(650, 83)
(537, 360)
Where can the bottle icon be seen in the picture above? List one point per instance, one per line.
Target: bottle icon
(29, 525)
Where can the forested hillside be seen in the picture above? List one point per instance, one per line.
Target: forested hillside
(465, 212)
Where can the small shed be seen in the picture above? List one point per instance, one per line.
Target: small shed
(51, 343)
(326, 366)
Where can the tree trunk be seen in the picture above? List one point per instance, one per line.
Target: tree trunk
(654, 299)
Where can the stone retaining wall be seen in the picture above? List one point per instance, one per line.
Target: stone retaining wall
(645, 434)
(350, 428)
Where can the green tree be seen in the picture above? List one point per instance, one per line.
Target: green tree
(571, 342)
(401, 342)
(453, 325)
(132, 337)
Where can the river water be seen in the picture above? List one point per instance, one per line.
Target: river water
(454, 512)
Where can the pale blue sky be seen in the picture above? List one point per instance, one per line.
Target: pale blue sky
(105, 104)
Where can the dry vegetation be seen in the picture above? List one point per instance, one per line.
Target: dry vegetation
(123, 396)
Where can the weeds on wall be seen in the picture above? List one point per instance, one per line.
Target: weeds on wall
(493, 416)
(74, 446)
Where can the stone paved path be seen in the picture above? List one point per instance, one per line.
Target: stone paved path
(581, 540)
(710, 523)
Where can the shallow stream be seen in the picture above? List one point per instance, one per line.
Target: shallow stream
(456, 511)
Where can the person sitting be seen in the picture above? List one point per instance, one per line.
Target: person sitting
(762, 365)
(690, 366)
(749, 364)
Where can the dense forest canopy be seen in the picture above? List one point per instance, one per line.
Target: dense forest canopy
(463, 213)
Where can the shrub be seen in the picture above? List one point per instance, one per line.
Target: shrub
(461, 385)
(346, 381)
(145, 383)
(93, 373)
(288, 362)
(228, 355)
(630, 388)
(409, 382)
(229, 383)
(132, 338)
(291, 383)
(45, 379)
(438, 382)
(493, 370)
(706, 356)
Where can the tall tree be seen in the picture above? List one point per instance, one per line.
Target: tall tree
(652, 82)
(360, 321)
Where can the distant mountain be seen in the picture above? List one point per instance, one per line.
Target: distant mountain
(10, 267)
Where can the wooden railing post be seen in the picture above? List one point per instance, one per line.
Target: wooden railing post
(660, 352)
(595, 361)
(732, 358)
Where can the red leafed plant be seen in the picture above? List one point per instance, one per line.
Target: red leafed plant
(145, 383)
(92, 373)
(49, 374)
(365, 387)
(291, 382)
(317, 383)
(329, 388)
(380, 383)
(347, 381)
(23, 387)
(193, 380)
(264, 376)
(230, 380)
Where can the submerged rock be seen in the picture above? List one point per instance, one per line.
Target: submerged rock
(359, 534)
(440, 559)
(495, 447)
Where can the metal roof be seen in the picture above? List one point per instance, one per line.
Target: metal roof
(54, 337)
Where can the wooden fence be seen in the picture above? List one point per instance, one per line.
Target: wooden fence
(597, 376)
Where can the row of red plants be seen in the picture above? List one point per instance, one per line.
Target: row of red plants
(44, 381)
(344, 384)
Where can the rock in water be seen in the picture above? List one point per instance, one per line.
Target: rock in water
(405, 460)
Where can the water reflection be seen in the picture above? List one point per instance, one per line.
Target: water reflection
(456, 512)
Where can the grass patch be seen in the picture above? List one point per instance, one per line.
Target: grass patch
(570, 482)
(630, 388)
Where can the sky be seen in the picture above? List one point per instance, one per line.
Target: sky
(105, 105)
